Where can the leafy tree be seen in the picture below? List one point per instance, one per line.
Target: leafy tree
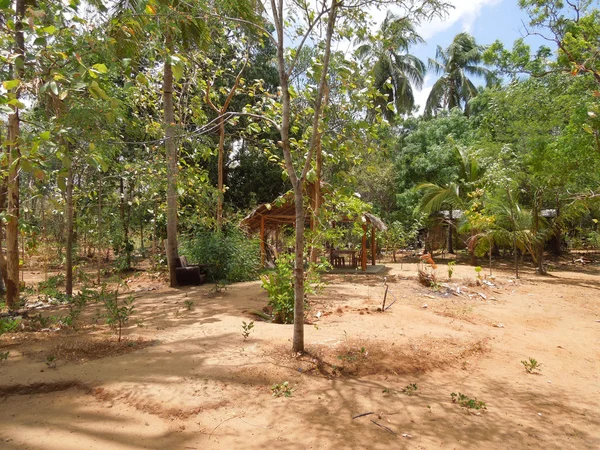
(394, 70)
(461, 59)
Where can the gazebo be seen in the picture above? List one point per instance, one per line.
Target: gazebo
(269, 217)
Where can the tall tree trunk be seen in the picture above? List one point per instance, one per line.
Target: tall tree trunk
(221, 174)
(539, 242)
(298, 181)
(318, 169)
(450, 237)
(171, 154)
(14, 135)
(69, 213)
(514, 233)
(99, 232)
(3, 188)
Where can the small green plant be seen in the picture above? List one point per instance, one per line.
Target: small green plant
(40, 322)
(386, 391)
(451, 265)
(118, 315)
(410, 389)
(282, 390)
(189, 305)
(247, 329)
(354, 355)
(532, 366)
(4, 356)
(467, 402)
(49, 288)
(51, 361)
(478, 270)
(8, 325)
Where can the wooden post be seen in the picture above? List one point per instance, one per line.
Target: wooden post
(262, 241)
(373, 245)
(363, 262)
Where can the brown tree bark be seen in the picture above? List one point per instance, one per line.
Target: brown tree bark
(171, 155)
(14, 154)
(297, 182)
(69, 249)
(221, 152)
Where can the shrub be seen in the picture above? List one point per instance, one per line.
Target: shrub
(8, 325)
(230, 255)
(279, 285)
(118, 315)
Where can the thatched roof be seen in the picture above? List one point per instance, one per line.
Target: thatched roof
(283, 211)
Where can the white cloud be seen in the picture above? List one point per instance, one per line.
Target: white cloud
(464, 12)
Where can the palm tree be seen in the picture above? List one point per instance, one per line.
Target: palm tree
(394, 70)
(452, 195)
(459, 60)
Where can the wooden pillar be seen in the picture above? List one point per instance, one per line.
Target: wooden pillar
(262, 241)
(373, 245)
(363, 259)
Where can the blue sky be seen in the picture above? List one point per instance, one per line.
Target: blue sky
(486, 20)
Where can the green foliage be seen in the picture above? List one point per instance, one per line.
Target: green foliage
(40, 322)
(51, 361)
(354, 355)
(4, 356)
(247, 329)
(532, 366)
(9, 325)
(467, 402)
(117, 315)
(50, 287)
(282, 389)
(451, 265)
(462, 58)
(410, 389)
(189, 304)
(230, 255)
(279, 285)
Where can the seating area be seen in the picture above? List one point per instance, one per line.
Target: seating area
(189, 275)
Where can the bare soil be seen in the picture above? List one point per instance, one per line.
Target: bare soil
(187, 379)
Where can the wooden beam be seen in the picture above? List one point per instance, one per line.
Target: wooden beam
(363, 259)
(373, 245)
(262, 241)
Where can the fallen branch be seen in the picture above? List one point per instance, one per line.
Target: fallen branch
(363, 414)
(389, 430)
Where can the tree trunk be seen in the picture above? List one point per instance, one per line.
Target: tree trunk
(539, 243)
(14, 135)
(298, 181)
(69, 214)
(3, 188)
(514, 233)
(318, 169)
(99, 231)
(220, 175)
(298, 341)
(171, 154)
(450, 237)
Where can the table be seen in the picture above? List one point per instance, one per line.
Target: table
(337, 258)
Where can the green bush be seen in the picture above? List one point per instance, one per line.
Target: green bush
(230, 255)
(279, 285)
(9, 325)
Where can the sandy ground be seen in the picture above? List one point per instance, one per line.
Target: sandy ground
(186, 379)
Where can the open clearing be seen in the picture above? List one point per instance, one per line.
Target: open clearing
(186, 379)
